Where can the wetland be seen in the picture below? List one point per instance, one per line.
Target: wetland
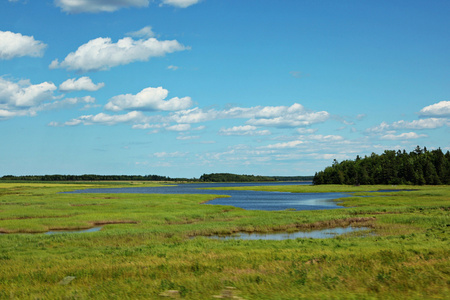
(145, 247)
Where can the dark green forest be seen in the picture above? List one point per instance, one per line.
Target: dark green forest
(418, 167)
(228, 177)
(88, 177)
(214, 177)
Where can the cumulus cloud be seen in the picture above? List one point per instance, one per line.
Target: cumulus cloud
(286, 145)
(95, 6)
(180, 3)
(270, 116)
(80, 84)
(246, 130)
(25, 99)
(438, 110)
(282, 116)
(105, 119)
(429, 123)
(153, 99)
(23, 94)
(149, 99)
(17, 45)
(403, 136)
(102, 54)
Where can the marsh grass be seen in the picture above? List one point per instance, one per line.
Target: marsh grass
(145, 247)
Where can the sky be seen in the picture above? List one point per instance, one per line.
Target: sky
(180, 88)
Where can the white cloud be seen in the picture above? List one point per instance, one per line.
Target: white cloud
(149, 99)
(68, 102)
(95, 6)
(440, 109)
(80, 84)
(273, 116)
(180, 3)
(105, 119)
(17, 45)
(325, 138)
(169, 154)
(246, 130)
(102, 54)
(306, 131)
(173, 68)
(153, 99)
(148, 126)
(429, 123)
(24, 94)
(187, 137)
(286, 145)
(145, 32)
(179, 127)
(25, 99)
(283, 116)
(403, 136)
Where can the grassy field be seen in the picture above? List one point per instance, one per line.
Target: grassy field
(152, 244)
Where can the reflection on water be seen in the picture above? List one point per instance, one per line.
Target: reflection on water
(314, 234)
(93, 229)
(250, 200)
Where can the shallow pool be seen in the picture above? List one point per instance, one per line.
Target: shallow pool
(314, 234)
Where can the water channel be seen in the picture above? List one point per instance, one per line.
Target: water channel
(250, 200)
(278, 236)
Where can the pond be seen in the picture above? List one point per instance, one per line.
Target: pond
(278, 236)
(250, 200)
(93, 229)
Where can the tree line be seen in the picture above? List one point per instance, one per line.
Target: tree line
(228, 177)
(418, 167)
(89, 177)
(213, 177)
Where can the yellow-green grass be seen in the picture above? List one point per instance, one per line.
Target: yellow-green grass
(147, 246)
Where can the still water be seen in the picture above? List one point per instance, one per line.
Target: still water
(93, 229)
(278, 236)
(250, 200)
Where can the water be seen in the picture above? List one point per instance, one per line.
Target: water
(278, 236)
(250, 200)
(93, 229)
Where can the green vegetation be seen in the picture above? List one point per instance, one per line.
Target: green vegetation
(215, 177)
(146, 249)
(228, 177)
(293, 178)
(418, 167)
(88, 177)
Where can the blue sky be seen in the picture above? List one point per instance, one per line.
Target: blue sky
(185, 87)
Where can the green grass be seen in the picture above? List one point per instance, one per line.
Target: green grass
(146, 246)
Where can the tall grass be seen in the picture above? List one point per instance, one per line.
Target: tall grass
(153, 243)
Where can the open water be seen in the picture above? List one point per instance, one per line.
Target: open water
(250, 200)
